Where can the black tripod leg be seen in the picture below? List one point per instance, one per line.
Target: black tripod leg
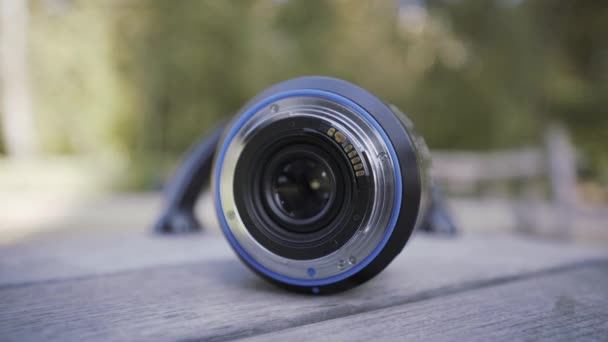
(182, 192)
(438, 219)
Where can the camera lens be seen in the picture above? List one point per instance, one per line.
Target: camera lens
(318, 184)
(303, 188)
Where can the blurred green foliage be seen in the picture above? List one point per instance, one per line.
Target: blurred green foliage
(142, 80)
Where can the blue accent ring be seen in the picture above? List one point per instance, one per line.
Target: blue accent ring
(220, 162)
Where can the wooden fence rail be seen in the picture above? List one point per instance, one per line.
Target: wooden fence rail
(550, 169)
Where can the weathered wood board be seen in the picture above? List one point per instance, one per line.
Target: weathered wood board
(559, 306)
(132, 286)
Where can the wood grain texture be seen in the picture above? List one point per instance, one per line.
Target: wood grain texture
(567, 306)
(82, 254)
(77, 254)
(89, 293)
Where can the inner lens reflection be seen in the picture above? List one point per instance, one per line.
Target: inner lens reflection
(302, 188)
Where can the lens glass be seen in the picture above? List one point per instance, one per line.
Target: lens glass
(302, 188)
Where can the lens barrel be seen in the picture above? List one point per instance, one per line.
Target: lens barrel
(318, 184)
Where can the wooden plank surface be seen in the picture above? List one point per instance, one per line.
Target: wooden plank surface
(133, 286)
(562, 306)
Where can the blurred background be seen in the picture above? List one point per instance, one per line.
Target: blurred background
(100, 99)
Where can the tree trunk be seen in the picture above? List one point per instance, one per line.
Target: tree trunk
(15, 98)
